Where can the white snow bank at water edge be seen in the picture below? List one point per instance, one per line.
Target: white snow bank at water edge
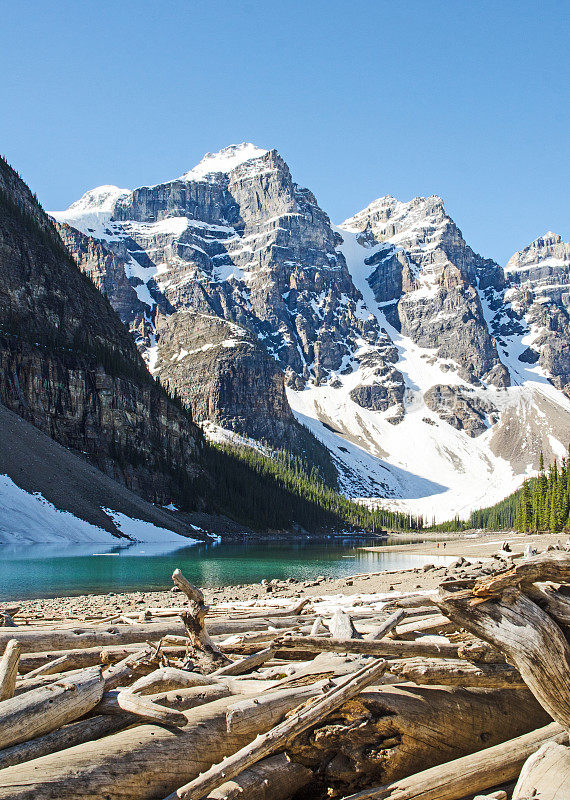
(29, 518)
(141, 531)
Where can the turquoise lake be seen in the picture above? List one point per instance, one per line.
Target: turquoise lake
(52, 570)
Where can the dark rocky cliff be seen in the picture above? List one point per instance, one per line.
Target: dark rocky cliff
(69, 366)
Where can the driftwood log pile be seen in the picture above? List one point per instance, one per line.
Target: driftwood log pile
(441, 697)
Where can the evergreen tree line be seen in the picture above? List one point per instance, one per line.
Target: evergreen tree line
(544, 502)
(278, 493)
(499, 517)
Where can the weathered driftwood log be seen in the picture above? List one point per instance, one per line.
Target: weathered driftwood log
(61, 664)
(342, 627)
(324, 665)
(456, 672)
(84, 730)
(413, 600)
(116, 702)
(79, 658)
(28, 685)
(246, 664)
(9, 669)
(87, 730)
(41, 710)
(387, 625)
(167, 678)
(550, 566)
(317, 627)
(203, 650)
(465, 776)
(527, 636)
(38, 640)
(273, 705)
(145, 762)
(385, 648)
(545, 775)
(555, 602)
(278, 737)
(274, 778)
(389, 732)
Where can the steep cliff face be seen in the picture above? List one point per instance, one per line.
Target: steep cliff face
(69, 366)
(538, 288)
(425, 276)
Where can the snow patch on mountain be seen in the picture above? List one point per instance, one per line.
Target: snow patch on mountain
(422, 465)
(224, 161)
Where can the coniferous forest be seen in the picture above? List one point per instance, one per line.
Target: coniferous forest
(544, 502)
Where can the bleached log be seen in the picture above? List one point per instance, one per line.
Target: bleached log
(9, 669)
(456, 672)
(317, 627)
(38, 640)
(413, 600)
(550, 566)
(325, 665)
(79, 658)
(148, 762)
(386, 626)
(60, 664)
(116, 702)
(167, 678)
(28, 685)
(274, 778)
(542, 654)
(87, 730)
(246, 664)
(468, 775)
(84, 730)
(274, 704)
(342, 627)
(383, 648)
(41, 710)
(546, 774)
(279, 736)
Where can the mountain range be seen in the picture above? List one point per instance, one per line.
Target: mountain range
(434, 377)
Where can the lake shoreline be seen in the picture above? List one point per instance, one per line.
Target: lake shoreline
(271, 591)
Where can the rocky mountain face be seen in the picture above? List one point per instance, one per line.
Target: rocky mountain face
(538, 289)
(69, 366)
(430, 373)
(234, 239)
(425, 276)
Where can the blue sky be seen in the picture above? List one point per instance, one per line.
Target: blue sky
(468, 99)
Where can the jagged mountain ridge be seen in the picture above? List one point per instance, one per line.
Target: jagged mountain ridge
(395, 339)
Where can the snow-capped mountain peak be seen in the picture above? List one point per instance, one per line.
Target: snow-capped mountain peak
(102, 199)
(404, 351)
(224, 161)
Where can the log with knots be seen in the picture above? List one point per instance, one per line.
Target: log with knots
(280, 704)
